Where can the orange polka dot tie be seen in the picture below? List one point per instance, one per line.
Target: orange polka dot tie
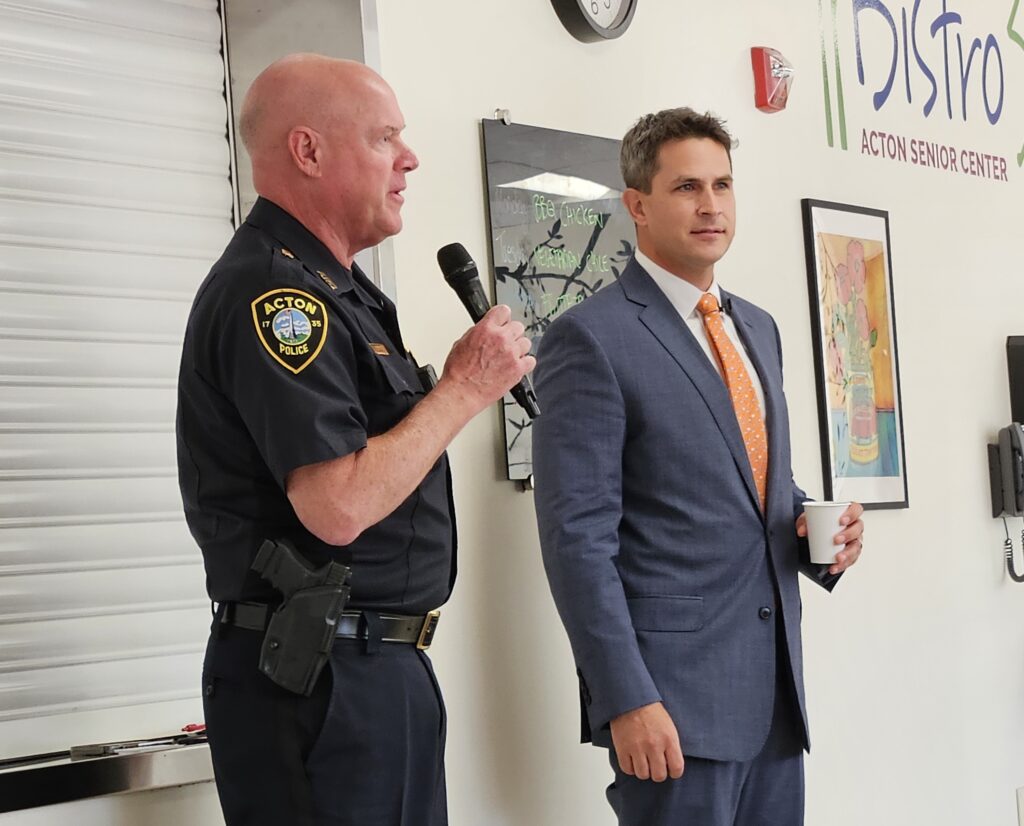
(741, 390)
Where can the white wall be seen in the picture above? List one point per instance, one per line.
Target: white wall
(915, 670)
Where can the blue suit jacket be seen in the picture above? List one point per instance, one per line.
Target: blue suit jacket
(659, 558)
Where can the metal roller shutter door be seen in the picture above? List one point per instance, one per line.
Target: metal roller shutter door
(115, 197)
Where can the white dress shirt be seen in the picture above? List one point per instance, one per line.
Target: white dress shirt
(685, 297)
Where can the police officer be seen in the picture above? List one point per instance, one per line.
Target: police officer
(301, 417)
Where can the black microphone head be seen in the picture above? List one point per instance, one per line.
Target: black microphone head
(455, 263)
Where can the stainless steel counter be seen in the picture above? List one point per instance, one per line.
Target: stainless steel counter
(60, 779)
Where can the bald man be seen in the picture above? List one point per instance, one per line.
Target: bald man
(302, 419)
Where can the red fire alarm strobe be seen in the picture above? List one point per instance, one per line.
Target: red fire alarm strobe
(772, 78)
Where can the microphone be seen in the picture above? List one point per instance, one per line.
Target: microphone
(461, 274)
(727, 306)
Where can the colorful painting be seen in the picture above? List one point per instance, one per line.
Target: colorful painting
(850, 281)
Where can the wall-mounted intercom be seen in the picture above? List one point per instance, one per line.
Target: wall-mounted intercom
(1006, 457)
(1006, 472)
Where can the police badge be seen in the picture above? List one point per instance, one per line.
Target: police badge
(292, 326)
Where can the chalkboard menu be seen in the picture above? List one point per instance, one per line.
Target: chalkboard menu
(559, 232)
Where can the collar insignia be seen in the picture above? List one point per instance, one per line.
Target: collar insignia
(326, 279)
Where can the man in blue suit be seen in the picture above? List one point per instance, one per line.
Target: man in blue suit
(670, 523)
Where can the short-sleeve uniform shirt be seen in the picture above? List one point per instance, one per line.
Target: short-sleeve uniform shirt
(291, 359)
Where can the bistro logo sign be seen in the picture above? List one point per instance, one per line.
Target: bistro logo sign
(930, 56)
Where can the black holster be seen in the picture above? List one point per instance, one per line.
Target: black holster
(301, 631)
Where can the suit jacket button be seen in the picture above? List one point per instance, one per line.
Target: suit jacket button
(765, 612)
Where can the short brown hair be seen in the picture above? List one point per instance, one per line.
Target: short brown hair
(638, 158)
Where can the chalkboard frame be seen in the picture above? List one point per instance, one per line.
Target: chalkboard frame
(534, 175)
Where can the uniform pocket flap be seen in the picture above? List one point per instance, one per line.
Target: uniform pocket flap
(399, 374)
(666, 613)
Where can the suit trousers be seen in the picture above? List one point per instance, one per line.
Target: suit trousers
(765, 791)
(366, 749)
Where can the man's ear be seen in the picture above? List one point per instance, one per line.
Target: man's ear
(633, 199)
(306, 153)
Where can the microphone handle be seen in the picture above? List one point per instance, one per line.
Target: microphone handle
(473, 298)
(523, 393)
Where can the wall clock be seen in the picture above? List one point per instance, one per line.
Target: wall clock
(594, 20)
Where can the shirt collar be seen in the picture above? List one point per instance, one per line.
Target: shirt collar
(303, 244)
(681, 293)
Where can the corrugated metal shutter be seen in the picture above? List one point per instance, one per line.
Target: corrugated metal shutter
(115, 198)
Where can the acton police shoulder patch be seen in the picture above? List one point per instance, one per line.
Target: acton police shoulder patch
(292, 325)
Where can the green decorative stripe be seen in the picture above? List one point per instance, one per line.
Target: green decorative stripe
(1014, 35)
(824, 78)
(839, 76)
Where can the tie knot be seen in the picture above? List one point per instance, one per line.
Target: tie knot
(708, 304)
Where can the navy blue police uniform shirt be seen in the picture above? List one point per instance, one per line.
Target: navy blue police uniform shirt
(291, 359)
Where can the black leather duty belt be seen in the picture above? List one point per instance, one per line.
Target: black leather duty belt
(418, 630)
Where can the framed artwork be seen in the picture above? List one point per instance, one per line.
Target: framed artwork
(853, 322)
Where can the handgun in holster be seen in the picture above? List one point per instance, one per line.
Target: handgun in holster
(299, 636)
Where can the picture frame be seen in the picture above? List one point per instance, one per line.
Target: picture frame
(853, 323)
(559, 233)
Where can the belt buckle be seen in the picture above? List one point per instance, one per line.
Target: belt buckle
(427, 631)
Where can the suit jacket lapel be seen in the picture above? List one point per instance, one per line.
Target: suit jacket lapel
(663, 321)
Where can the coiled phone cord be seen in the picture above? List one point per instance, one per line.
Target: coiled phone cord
(1008, 552)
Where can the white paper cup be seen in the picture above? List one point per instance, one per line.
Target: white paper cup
(822, 527)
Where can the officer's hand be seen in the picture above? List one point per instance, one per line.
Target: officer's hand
(647, 743)
(490, 358)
